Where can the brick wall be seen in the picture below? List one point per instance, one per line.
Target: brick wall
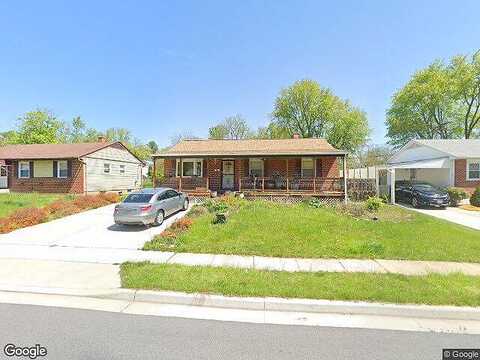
(461, 177)
(73, 184)
(327, 166)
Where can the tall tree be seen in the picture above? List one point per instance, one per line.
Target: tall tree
(76, 130)
(39, 127)
(424, 108)
(153, 146)
(176, 138)
(218, 132)
(119, 134)
(232, 127)
(272, 131)
(464, 73)
(309, 110)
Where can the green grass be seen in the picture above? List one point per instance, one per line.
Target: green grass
(454, 289)
(269, 229)
(12, 201)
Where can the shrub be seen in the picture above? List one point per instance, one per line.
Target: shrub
(110, 197)
(475, 198)
(354, 209)
(60, 208)
(90, 201)
(182, 224)
(315, 203)
(23, 218)
(167, 234)
(456, 195)
(373, 203)
(196, 211)
(220, 218)
(216, 205)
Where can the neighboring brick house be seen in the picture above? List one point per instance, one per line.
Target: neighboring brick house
(69, 168)
(440, 162)
(254, 167)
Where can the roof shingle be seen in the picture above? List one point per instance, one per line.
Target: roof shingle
(50, 151)
(251, 147)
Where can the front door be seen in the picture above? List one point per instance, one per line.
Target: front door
(228, 174)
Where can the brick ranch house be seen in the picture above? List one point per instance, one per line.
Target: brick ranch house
(285, 167)
(440, 162)
(69, 168)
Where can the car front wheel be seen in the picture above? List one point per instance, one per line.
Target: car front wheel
(159, 218)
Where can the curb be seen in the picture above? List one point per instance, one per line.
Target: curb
(265, 303)
(298, 305)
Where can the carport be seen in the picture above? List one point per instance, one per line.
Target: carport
(438, 172)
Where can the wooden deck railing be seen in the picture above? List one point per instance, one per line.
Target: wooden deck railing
(291, 184)
(185, 183)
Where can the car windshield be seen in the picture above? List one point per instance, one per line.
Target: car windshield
(424, 187)
(138, 198)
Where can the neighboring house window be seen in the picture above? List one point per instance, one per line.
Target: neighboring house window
(191, 167)
(62, 169)
(307, 167)
(473, 169)
(255, 167)
(106, 168)
(122, 169)
(24, 169)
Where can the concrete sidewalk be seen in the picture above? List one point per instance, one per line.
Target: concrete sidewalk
(118, 256)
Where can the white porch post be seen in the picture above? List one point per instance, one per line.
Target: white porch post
(392, 185)
(345, 177)
(452, 172)
(377, 182)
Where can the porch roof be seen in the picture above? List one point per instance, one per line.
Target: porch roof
(251, 148)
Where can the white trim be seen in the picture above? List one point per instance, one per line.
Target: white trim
(58, 169)
(20, 173)
(109, 168)
(195, 162)
(250, 166)
(469, 161)
(121, 169)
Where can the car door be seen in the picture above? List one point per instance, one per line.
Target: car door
(174, 198)
(162, 203)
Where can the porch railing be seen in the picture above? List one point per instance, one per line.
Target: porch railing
(184, 183)
(302, 184)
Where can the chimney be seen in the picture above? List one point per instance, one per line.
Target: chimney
(296, 136)
(102, 139)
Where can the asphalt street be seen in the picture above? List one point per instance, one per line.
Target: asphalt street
(85, 334)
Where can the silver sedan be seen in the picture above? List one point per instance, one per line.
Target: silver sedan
(149, 206)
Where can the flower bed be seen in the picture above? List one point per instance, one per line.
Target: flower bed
(59, 208)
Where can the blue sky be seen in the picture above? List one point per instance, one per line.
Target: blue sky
(161, 68)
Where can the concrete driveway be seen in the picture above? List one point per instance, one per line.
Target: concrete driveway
(459, 216)
(89, 229)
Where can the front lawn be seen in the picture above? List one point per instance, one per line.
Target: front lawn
(455, 289)
(270, 229)
(12, 201)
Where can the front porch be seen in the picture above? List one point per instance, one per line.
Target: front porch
(255, 177)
